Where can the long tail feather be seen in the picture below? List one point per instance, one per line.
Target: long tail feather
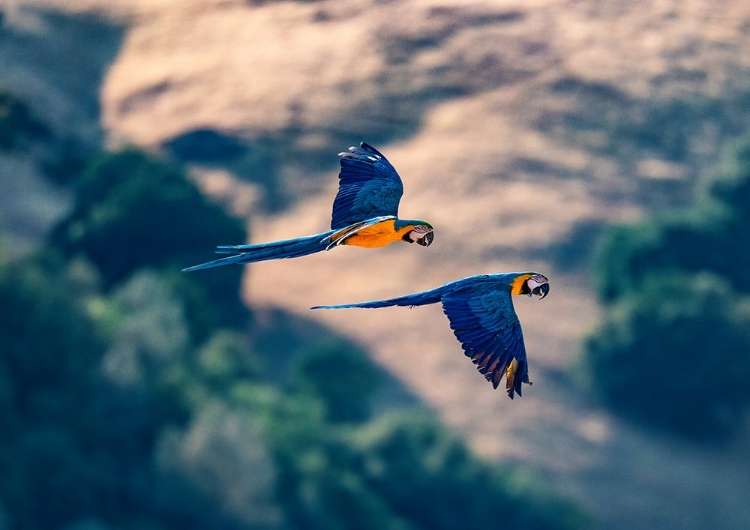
(288, 248)
(215, 263)
(423, 298)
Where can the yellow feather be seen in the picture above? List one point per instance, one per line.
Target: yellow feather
(377, 235)
(517, 284)
(510, 374)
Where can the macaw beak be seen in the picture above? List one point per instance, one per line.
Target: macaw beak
(541, 291)
(427, 239)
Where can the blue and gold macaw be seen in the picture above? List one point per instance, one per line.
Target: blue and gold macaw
(480, 312)
(365, 214)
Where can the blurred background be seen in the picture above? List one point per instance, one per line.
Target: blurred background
(601, 143)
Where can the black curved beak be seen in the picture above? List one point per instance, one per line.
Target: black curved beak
(541, 291)
(426, 241)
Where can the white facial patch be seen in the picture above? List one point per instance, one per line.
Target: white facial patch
(419, 232)
(536, 281)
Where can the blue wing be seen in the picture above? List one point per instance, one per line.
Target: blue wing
(369, 186)
(489, 331)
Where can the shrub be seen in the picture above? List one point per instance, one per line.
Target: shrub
(673, 355)
(133, 211)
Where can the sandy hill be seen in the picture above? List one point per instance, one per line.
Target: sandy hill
(521, 129)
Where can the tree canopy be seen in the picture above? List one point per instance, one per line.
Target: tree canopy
(671, 350)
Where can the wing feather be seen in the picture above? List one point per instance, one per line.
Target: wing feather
(369, 186)
(486, 325)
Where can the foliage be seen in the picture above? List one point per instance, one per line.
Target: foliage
(225, 359)
(65, 159)
(674, 354)
(48, 356)
(705, 238)
(696, 241)
(39, 320)
(670, 351)
(343, 379)
(134, 211)
(404, 454)
(221, 454)
(399, 471)
(18, 127)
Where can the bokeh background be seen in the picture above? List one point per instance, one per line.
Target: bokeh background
(602, 143)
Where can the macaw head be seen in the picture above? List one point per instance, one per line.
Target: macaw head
(421, 234)
(538, 285)
(530, 283)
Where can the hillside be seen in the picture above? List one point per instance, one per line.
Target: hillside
(520, 129)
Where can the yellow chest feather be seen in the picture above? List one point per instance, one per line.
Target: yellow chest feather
(377, 235)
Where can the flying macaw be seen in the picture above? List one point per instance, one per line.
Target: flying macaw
(481, 315)
(365, 214)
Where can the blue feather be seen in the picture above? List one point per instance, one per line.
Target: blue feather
(370, 190)
(423, 298)
(369, 186)
(481, 315)
(288, 248)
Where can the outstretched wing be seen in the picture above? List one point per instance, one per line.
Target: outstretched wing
(489, 331)
(369, 186)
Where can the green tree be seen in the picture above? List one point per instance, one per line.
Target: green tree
(18, 126)
(343, 378)
(133, 211)
(670, 351)
(674, 354)
(400, 471)
(222, 455)
(431, 479)
(48, 347)
(709, 237)
(48, 356)
(85, 399)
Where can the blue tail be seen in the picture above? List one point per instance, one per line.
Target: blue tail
(288, 248)
(426, 297)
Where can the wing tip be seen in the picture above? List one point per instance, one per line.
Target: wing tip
(494, 371)
(516, 375)
(363, 146)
